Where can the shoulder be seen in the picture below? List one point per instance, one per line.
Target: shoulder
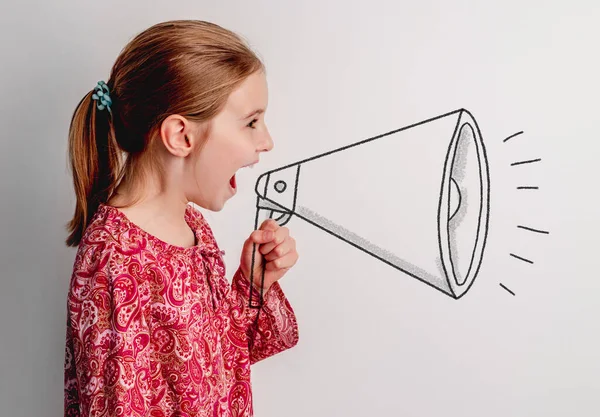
(102, 237)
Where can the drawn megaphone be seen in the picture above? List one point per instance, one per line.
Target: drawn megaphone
(416, 198)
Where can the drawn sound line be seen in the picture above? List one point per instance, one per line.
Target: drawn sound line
(503, 286)
(526, 162)
(521, 258)
(533, 230)
(523, 187)
(512, 136)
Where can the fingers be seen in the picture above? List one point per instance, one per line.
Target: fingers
(269, 224)
(252, 244)
(282, 249)
(281, 234)
(265, 234)
(277, 247)
(261, 236)
(282, 263)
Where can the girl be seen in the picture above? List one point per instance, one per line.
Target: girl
(154, 328)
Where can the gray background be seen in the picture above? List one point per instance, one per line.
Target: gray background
(373, 341)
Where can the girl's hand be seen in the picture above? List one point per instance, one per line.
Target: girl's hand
(274, 246)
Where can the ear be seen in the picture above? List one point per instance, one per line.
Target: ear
(178, 135)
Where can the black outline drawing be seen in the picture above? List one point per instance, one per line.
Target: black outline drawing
(513, 135)
(523, 187)
(463, 147)
(506, 288)
(526, 162)
(521, 258)
(531, 229)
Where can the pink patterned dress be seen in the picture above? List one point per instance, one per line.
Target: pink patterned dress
(156, 330)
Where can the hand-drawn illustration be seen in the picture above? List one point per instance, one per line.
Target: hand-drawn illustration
(523, 187)
(426, 185)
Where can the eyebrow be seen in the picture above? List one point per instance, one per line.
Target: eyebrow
(253, 113)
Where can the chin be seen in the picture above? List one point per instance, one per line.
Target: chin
(212, 207)
(208, 205)
(216, 205)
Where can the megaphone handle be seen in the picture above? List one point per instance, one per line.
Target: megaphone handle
(260, 295)
(262, 281)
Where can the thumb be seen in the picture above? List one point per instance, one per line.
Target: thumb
(256, 238)
(261, 236)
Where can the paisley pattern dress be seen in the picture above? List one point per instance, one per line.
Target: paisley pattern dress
(156, 330)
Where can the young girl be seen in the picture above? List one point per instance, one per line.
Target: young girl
(154, 328)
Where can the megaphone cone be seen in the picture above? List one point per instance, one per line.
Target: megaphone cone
(416, 198)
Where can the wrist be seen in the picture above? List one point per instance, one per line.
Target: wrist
(255, 284)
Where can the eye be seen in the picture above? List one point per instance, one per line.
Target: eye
(251, 124)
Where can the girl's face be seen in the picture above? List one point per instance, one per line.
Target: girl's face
(238, 135)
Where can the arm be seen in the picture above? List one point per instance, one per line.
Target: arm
(264, 334)
(71, 401)
(273, 329)
(107, 368)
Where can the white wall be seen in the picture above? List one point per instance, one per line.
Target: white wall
(373, 340)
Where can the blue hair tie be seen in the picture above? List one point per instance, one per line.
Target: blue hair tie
(102, 96)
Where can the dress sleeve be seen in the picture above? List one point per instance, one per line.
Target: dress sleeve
(272, 330)
(107, 366)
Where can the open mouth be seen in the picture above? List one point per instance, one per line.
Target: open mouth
(232, 180)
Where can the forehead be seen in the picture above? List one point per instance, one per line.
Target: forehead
(251, 95)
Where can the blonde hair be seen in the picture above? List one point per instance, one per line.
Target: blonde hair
(185, 67)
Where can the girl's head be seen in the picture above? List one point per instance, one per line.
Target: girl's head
(187, 111)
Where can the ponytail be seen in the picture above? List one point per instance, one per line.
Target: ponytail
(94, 158)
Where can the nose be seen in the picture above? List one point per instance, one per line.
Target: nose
(266, 142)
